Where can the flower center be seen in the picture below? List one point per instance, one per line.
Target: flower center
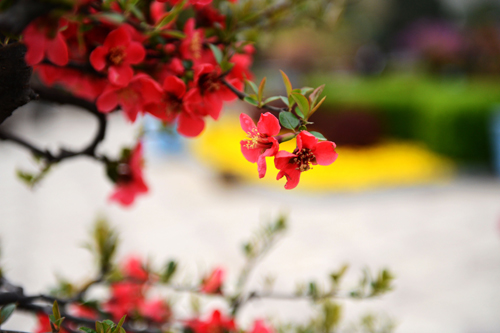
(174, 104)
(116, 55)
(209, 82)
(303, 159)
(195, 45)
(257, 140)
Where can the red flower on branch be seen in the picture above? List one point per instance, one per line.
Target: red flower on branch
(44, 38)
(117, 55)
(140, 91)
(262, 142)
(130, 182)
(213, 283)
(155, 310)
(216, 323)
(309, 151)
(260, 327)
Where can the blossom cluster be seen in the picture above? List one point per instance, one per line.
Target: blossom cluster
(129, 297)
(263, 143)
(178, 61)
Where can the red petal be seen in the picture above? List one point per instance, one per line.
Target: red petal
(57, 50)
(325, 153)
(98, 58)
(107, 101)
(118, 37)
(247, 124)
(251, 154)
(120, 75)
(268, 124)
(274, 148)
(307, 140)
(190, 125)
(35, 44)
(214, 105)
(226, 94)
(282, 159)
(261, 166)
(174, 85)
(160, 111)
(135, 53)
(292, 175)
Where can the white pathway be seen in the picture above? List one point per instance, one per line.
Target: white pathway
(442, 242)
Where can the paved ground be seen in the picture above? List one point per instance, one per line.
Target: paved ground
(442, 242)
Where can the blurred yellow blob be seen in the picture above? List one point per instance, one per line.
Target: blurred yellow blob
(388, 164)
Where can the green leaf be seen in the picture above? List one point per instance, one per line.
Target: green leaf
(98, 327)
(217, 53)
(253, 86)
(272, 99)
(169, 271)
(288, 120)
(87, 330)
(250, 100)
(112, 17)
(305, 90)
(6, 312)
(316, 107)
(261, 89)
(302, 103)
(285, 100)
(288, 85)
(120, 324)
(226, 65)
(313, 97)
(137, 13)
(318, 135)
(175, 33)
(55, 310)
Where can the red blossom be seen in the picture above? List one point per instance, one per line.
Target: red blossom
(134, 269)
(192, 45)
(43, 38)
(309, 151)
(116, 55)
(140, 91)
(260, 327)
(216, 323)
(130, 182)
(213, 283)
(156, 310)
(262, 142)
(43, 324)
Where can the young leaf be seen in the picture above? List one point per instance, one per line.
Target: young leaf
(302, 103)
(272, 99)
(55, 310)
(318, 135)
(261, 89)
(317, 106)
(288, 85)
(98, 327)
(253, 86)
(169, 271)
(217, 53)
(288, 120)
(6, 312)
(120, 324)
(305, 90)
(87, 330)
(285, 100)
(313, 97)
(250, 100)
(174, 33)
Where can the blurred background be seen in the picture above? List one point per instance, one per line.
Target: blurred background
(413, 103)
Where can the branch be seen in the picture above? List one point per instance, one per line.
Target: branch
(58, 96)
(241, 95)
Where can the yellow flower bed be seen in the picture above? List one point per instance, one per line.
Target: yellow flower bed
(385, 165)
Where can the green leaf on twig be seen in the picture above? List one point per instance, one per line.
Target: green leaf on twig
(6, 312)
(302, 103)
(250, 100)
(288, 120)
(288, 85)
(217, 53)
(318, 135)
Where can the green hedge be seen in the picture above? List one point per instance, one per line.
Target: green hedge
(451, 116)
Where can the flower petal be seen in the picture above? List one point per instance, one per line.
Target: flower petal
(135, 53)
(57, 50)
(174, 85)
(120, 75)
(107, 101)
(98, 58)
(261, 166)
(268, 124)
(189, 125)
(282, 159)
(307, 140)
(292, 175)
(247, 124)
(325, 153)
(117, 37)
(251, 154)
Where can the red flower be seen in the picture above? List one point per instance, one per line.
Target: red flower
(308, 151)
(217, 323)
(209, 93)
(260, 327)
(172, 106)
(133, 269)
(140, 91)
(262, 142)
(117, 54)
(156, 310)
(42, 37)
(213, 283)
(44, 324)
(192, 45)
(130, 182)
(125, 298)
